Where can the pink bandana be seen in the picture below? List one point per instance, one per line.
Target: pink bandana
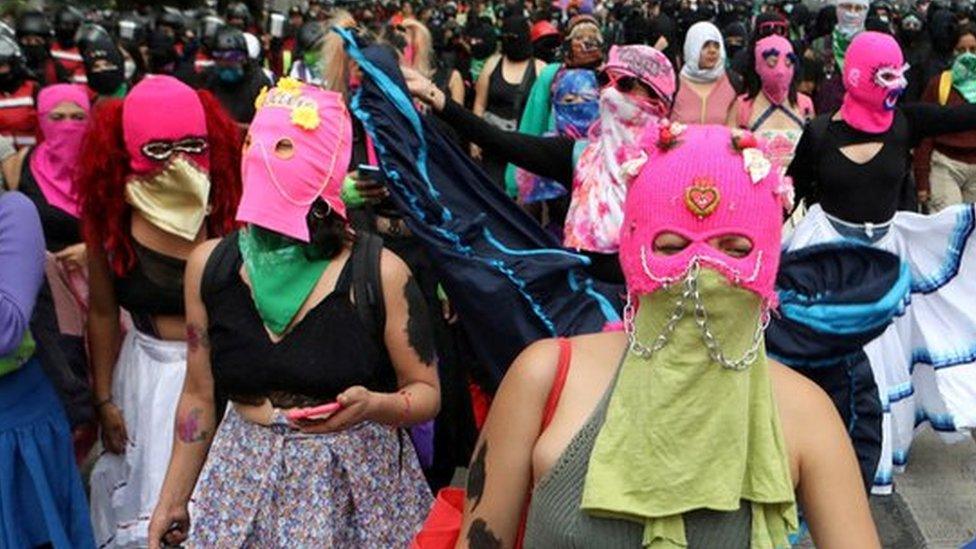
(299, 147)
(700, 183)
(53, 161)
(775, 63)
(874, 76)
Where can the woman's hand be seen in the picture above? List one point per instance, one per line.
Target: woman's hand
(423, 89)
(170, 525)
(114, 435)
(358, 404)
(73, 258)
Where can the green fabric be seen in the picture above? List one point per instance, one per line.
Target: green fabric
(964, 76)
(19, 356)
(839, 46)
(121, 91)
(536, 117)
(684, 433)
(282, 274)
(476, 66)
(350, 194)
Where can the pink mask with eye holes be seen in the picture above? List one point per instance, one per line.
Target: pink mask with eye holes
(162, 109)
(703, 187)
(874, 76)
(281, 182)
(775, 79)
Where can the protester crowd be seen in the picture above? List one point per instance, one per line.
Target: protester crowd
(652, 273)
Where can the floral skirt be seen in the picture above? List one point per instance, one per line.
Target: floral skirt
(277, 487)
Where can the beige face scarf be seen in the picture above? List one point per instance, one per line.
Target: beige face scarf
(173, 199)
(684, 431)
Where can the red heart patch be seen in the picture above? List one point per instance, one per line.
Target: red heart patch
(702, 197)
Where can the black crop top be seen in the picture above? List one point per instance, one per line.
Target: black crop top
(327, 352)
(61, 229)
(154, 286)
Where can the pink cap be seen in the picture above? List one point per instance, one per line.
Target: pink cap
(163, 109)
(281, 183)
(699, 183)
(647, 65)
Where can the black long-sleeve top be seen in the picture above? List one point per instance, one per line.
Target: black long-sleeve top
(868, 192)
(549, 157)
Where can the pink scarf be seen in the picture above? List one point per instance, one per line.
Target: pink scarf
(53, 161)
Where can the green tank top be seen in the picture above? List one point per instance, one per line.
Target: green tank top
(556, 521)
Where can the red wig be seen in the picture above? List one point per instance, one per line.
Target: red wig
(104, 168)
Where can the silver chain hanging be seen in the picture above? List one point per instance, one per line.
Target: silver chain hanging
(691, 293)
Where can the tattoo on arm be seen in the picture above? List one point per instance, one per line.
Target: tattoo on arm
(189, 429)
(481, 537)
(476, 476)
(420, 333)
(196, 337)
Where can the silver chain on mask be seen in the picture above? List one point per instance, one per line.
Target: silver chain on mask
(690, 294)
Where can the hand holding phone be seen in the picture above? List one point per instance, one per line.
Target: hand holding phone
(316, 413)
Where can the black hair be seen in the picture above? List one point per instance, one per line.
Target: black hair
(327, 231)
(963, 31)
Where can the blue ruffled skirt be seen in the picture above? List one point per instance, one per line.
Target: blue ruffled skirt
(41, 496)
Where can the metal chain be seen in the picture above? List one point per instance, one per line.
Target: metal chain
(692, 294)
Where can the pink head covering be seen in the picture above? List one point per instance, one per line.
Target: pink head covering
(874, 76)
(776, 77)
(53, 162)
(647, 65)
(167, 112)
(699, 185)
(280, 184)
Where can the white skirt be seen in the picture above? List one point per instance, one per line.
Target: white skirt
(146, 385)
(925, 363)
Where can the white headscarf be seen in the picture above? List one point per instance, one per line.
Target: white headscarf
(698, 35)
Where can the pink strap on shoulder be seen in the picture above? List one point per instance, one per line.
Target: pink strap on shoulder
(562, 371)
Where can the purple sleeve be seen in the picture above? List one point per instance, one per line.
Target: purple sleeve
(21, 267)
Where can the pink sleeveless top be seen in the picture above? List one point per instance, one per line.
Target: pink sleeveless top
(691, 108)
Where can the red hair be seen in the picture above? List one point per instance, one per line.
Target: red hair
(104, 167)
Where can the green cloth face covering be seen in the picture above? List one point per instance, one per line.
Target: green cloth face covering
(964, 76)
(281, 273)
(839, 44)
(684, 433)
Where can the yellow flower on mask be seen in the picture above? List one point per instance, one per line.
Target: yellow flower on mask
(290, 85)
(305, 117)
(261, 98)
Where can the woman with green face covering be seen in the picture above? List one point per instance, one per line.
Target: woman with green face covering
(677, 431)
(945, 166)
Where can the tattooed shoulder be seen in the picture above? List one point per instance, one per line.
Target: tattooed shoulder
(481, 537)
(420, 333)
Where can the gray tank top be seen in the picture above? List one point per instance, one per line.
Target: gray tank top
(555, 519)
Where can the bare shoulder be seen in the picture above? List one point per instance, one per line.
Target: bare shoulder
(392, 267)
(534, 369)
(797, 397)
(199, 256)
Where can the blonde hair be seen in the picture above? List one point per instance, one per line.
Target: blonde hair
(335, 62)
(422, 42)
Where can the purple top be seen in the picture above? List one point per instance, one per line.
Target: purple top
(21, 267)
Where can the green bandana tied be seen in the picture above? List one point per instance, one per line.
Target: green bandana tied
(20, 355)
(684, 433)
(839, 46)
(476, 66)
(964, 76)
(282, 274)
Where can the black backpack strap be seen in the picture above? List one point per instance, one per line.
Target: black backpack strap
(367, 284)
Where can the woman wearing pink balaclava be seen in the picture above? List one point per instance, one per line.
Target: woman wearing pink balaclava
(44, 174)
(852, 166)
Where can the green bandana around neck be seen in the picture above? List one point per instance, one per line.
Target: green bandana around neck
(964, 76)
(684, 433)
(19, 356)
(281, 272)
(839, 46)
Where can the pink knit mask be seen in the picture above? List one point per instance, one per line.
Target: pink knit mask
(775, 62)
(874, 76)
(700, 183)
(163, 118)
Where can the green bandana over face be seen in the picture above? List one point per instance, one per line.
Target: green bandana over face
(839, 46)
(964, 76)
(682, 432)
(282, 274)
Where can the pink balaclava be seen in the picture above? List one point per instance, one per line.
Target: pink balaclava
(701, 182)
(163, 111)
(775, 62)
(53, 161)
(874, 76)
(299, 146)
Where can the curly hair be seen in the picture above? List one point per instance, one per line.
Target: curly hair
(101, 178)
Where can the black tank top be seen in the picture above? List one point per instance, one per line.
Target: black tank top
(154, 286)
(327, 352)
(61, 229)
(505, 100)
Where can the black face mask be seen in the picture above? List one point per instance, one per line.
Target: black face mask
(11, 80)
(106, 82)
(35, 55)
(517, 48)
(66, 38)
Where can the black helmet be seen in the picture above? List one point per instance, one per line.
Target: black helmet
(91, 35)
(228, 38)
(10, 51)
(66, 23)
(310, 35)
(209, 27)
(104, 63)
(33, 23)
(238, 10)
(171, 17)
